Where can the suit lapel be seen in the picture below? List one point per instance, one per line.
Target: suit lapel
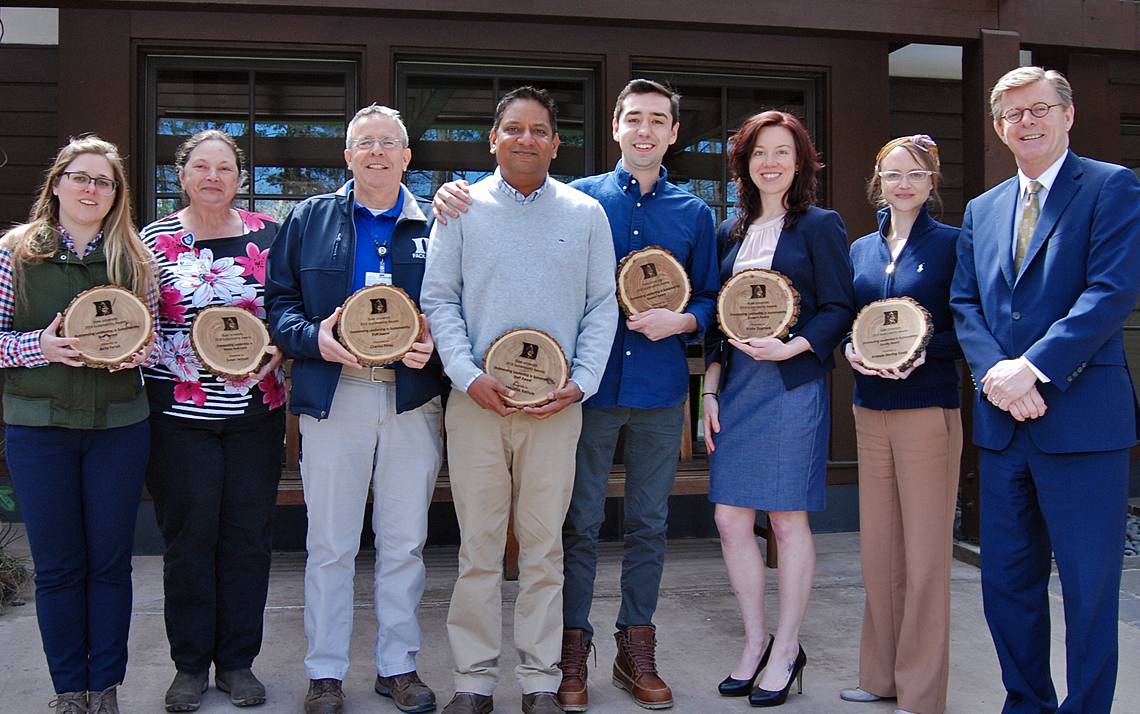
(729, 259)
(1003, 214)
(1060, 194)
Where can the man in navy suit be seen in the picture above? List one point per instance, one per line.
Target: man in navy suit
(1048, 270)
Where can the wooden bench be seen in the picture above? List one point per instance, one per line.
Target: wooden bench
(692, 472)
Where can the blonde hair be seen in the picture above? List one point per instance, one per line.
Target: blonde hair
(923, 149)
(128, 260)
(1024, 76)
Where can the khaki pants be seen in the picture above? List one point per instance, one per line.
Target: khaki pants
(498, 467)
(908, 486)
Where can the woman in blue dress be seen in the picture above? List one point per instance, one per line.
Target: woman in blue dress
(765, 401)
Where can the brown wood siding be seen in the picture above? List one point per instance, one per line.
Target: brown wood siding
(28, 125)
(934, 107)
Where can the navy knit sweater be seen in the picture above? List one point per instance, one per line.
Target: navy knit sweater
(922, 271)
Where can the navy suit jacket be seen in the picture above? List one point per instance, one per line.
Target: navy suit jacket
(1078, 283)
(814, 255)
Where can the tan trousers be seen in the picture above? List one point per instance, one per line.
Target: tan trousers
(501, 466)
(908, 486)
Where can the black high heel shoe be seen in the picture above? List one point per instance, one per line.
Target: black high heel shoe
(765, 698)
(741, 687)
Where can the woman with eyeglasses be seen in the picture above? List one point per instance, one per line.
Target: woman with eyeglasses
(76, 437)
(909, 435)
(766, 405)
(216, 443)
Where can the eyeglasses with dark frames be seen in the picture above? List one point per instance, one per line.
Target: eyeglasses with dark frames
(81, 180)
(1040, 109)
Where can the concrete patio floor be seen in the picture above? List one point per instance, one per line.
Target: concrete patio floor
(697, 620)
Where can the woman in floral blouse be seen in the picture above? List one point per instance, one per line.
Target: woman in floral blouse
(215, 444)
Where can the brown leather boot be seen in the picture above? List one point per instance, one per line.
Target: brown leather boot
(635, 669)
(572, 693)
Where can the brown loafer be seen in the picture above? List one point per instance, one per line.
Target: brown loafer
(469, 703)
(325, 696)
(635, 668)
(573, 693)
(245, 690)
(408, 692)
(541, 703)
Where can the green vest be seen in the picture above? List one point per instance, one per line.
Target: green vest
(58, 395)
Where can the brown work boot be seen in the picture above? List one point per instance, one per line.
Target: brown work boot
(407, 690)
(635, 668)
(325, 696)
(572, 693)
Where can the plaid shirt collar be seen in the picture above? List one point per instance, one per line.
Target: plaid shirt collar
(69, 243)
(518, 195)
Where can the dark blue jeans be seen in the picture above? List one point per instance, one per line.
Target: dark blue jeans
(79, 492)
(652, 448)
(214, 484)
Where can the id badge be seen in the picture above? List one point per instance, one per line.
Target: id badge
(371, 279)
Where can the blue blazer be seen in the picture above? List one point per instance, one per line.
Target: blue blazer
(1064, 312)
(814, 256)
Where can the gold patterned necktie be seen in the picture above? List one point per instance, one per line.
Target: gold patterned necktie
(1028, 223)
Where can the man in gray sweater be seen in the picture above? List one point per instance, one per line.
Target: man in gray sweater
(537, 254)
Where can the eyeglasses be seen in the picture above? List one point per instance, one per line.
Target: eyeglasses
(81, 181)
(916, 176)
(1040, 109)
(388, 143)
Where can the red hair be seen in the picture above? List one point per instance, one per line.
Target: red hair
(801, 194)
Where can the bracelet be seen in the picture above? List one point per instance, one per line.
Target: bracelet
(710, 394)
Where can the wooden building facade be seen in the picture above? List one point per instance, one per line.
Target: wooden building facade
(283, 76)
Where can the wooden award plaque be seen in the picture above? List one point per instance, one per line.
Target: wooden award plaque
(757, 303)
(229, 341)
(111, 322)
(528, 361)
(652, 277)
(891, 333)
(379, 324)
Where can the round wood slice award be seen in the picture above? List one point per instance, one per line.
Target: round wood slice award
(528, 361)
(891, 333)
(757, 303)
(379, 324)
(229, 341)
(652, 277)
(112, 324)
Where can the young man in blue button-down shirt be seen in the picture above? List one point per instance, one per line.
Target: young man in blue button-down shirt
(643, 389)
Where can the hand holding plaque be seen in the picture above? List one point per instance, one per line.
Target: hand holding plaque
(757, 303)
(891, 333)
(528, 361)
(652, 278)
(230, 341)
(111, 324)
(379, 324)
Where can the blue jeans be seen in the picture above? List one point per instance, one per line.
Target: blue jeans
(79, 492)
(652, 448)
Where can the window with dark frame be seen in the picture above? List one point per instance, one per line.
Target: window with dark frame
(448, 108)
(288, 116)
(713, 106)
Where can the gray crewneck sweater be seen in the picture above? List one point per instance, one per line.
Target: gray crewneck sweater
(548, 264)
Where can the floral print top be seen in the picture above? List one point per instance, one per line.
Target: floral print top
(193, 275)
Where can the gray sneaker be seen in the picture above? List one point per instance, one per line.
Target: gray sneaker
(245, 690)
(185, 693)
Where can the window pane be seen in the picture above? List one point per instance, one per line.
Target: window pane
(298, 181)
(277, 209)
(287, 116)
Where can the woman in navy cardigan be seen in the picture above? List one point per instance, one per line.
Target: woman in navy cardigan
(765, 401)
(910, 441)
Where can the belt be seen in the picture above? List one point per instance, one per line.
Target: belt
(369, 374)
